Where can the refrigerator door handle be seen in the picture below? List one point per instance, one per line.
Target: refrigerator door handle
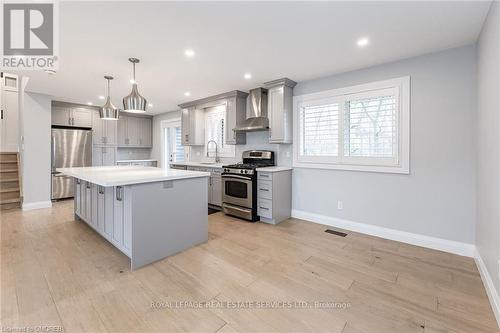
(53, 154)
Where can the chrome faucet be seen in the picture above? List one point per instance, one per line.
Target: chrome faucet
(217, 159)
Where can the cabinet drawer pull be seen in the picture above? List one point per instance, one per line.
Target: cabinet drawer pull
(265, 208)
(78, 181)
(101, 189)
(264, 189)
(89, 185)
(119, 193)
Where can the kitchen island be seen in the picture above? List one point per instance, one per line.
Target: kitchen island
(147, 213)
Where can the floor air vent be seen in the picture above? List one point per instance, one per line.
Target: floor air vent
(338, 233)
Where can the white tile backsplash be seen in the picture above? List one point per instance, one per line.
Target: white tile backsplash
(255, 141)
(133, 153)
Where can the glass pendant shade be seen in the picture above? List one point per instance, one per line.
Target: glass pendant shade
(134, 102)
(108, 111)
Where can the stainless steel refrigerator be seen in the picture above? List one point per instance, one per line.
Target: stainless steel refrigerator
(70, 148)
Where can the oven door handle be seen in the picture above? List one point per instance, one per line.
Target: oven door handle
(236, 177)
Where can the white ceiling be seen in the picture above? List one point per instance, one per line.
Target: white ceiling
(270, 40)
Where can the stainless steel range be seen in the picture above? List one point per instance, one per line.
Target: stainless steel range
(239, 184)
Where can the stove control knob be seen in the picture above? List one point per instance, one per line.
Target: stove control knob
(241, 171)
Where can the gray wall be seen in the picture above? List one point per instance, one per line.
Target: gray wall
(36, 152)
(488, 152)
(437, 198)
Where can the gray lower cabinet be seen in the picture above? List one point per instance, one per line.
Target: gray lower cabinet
(108, 211)
(274, 196)
(214, 189)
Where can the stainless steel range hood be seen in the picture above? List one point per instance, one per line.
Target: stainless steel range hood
(256, 112)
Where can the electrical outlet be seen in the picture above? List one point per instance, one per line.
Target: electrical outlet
(340, 205)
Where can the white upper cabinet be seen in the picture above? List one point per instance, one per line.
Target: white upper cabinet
(103, 131)
(193, 118)
(82, 117)
(72, 116)
(280, 110)
(9, 118)
(135, 132)
(235, 115)
(193, 127)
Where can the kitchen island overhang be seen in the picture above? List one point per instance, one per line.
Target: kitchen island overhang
(147, 213)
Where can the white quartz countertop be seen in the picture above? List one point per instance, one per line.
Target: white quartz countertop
(201, 164)
(128, 175)
(274, 169)
(127, 161)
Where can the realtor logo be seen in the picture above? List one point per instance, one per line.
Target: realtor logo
(29, 35)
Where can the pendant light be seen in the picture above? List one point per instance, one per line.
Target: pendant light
(108, 111)
(134, 102)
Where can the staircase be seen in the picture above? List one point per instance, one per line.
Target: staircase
(10, 181)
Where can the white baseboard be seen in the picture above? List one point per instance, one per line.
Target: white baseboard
(36, 205)
(489, 286)
(463, 249)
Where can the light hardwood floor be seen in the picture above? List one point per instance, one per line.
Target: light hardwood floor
(57, 271)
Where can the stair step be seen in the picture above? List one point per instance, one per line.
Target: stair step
(7, 190)
(8, 180)
(7, 206)
(8, 157)
(8, 170)
(8, 201)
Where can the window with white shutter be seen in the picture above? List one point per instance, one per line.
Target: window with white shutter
(179, 148)
(362, 128)
(215, 118)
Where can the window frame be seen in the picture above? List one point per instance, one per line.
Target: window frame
(398, 164)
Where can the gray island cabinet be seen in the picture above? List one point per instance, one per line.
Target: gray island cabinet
(147, 213)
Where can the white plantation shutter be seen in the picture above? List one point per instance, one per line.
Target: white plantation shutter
(320, 130)
(370, 126)
(355, 129)
(179, 148)
(214, 130)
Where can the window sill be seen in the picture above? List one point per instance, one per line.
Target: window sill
(348, 167)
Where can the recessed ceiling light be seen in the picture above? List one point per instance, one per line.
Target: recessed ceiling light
(187, 93)
(101, 97)
(150, 105)
(247, 76)
(90, 103)
(362, 42)
(189, 53)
